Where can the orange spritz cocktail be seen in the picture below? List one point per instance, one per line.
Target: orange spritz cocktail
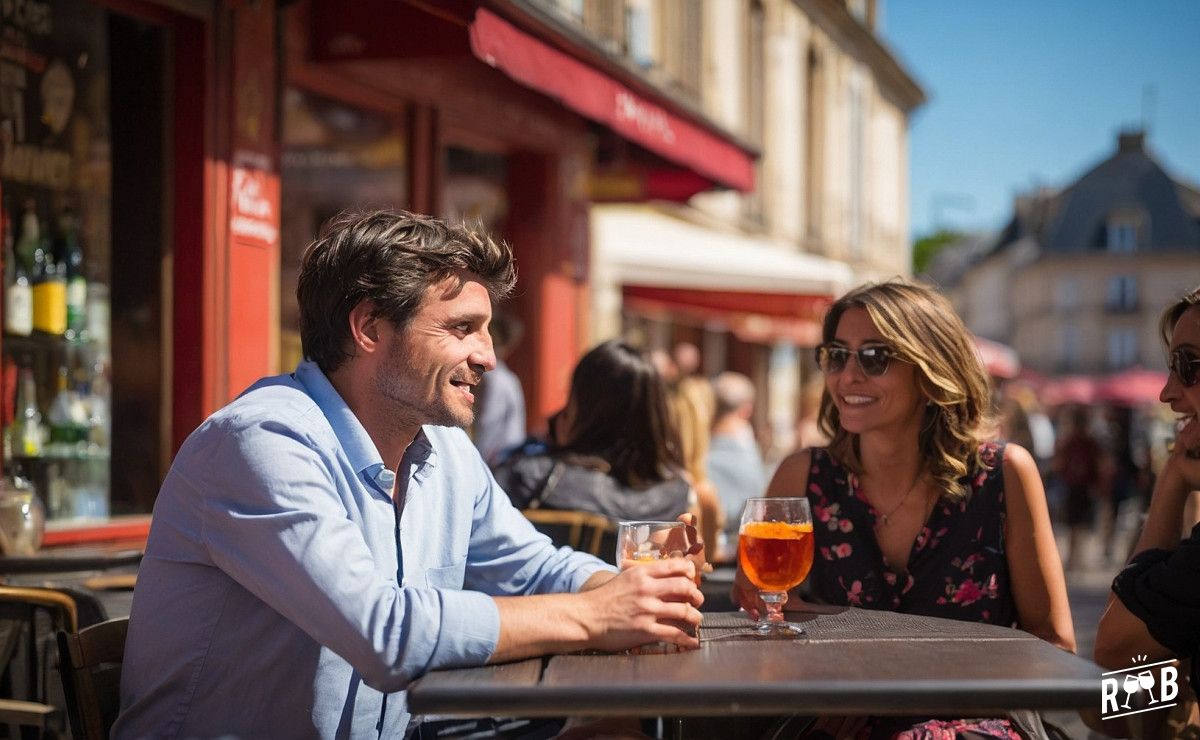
(776, 556)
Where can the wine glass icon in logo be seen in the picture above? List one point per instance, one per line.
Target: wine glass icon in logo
(1130, 685)
(1146, 681)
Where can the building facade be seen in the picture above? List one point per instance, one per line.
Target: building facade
(1077, 280)
(747, 276)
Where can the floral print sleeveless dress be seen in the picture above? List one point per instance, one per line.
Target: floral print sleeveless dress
(956, 569)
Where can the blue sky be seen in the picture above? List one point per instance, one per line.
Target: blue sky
(1023, 92)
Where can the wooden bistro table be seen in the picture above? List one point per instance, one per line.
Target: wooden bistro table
(853, 662)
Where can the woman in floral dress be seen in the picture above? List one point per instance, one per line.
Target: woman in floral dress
(915, 509)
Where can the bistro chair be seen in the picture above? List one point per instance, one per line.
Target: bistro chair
(580, 530)
(90, 663)
(23, 662)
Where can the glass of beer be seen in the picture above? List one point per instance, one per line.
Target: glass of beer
(642, 542)
(775, 551)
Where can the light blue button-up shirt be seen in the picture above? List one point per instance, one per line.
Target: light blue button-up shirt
(281, 596)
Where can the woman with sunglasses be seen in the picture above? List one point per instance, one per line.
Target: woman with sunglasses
(915, 510)
(1154, 609)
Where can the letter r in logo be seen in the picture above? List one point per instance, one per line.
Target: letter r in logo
(1109, 687)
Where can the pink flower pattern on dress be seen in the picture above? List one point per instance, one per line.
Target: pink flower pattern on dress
(956, 567)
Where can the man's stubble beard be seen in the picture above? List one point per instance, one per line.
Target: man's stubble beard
(392, 385)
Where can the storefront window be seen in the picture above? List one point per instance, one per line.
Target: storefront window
(335, 157)
(57, 206)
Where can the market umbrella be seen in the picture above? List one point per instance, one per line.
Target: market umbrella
(1134, 387)
(1000, 360)
(1068, 389)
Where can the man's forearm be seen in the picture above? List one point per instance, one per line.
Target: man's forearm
(656, 601)
(597, 580)
(537, 625)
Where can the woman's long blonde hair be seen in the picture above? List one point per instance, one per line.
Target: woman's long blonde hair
(921, 327)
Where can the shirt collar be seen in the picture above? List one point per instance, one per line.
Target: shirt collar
(355, 442)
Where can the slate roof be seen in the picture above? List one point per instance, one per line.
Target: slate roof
(1074, 220)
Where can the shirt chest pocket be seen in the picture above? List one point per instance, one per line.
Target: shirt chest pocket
(446, 576)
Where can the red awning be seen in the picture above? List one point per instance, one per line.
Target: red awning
(752, 317)
(597, 96)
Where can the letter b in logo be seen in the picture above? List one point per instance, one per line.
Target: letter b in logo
(1169, 683)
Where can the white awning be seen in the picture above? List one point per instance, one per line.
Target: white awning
(643, 246)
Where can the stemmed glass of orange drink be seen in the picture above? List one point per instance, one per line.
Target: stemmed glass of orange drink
(775, 552)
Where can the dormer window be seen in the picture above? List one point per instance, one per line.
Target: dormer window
(1122, 231)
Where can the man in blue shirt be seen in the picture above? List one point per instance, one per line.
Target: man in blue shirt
(332, 534)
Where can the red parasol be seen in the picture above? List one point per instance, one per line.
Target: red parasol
(1135, 387)
(1068, 389)
(1000, 360)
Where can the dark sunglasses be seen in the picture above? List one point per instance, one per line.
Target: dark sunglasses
(874, 361)
(1184, 364)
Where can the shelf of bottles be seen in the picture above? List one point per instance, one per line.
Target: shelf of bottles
(56, 336)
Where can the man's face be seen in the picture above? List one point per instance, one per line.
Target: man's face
(433, 365)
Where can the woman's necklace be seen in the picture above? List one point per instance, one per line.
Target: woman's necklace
(886, 516)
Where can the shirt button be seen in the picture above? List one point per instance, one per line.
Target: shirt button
(386, 478)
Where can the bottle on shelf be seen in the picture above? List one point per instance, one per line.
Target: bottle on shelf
(18, 294)
(28, 432)
(30, 239)
(96, 400)
(72, 260)
(49, 292)
(68, 418)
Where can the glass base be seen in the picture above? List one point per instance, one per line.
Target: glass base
(779, 629)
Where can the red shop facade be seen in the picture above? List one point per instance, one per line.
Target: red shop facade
(167, 162)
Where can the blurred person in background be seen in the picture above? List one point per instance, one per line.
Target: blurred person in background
(686, 357)
(916, 509)
(1077, 461)
(666, 367)
(1122, 475)
(808, 427)
(735, 464)
(500, 424)
(1154, 608)
(613, 450)
(694, 404)
(1023, 422)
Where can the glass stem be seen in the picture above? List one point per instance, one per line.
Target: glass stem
(774, 601)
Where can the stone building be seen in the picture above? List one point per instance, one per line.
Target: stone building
(1077, 279)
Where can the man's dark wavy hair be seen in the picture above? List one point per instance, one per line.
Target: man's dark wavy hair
(389, 258)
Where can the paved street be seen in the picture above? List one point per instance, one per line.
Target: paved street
(1088, 589)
